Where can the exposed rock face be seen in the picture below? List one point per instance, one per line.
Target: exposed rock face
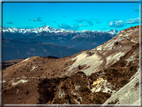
(72, 90)
(108, 74)
(129, 94)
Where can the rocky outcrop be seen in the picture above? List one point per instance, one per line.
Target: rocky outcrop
(75, 89)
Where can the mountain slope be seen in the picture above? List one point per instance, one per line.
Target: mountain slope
(97, 76)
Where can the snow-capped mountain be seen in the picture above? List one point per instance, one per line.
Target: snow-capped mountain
(76, 40)
(113, 31)
(35, 30)
(48, 29)
(72, 39)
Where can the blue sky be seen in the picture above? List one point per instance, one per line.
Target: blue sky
(75, 16)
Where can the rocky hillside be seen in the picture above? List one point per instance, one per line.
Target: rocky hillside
(108, 74)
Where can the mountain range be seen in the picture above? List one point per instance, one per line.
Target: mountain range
(25, 43)
(47, 29)
(107, 74)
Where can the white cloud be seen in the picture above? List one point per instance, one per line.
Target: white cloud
(133, 21)
(83, 25)
(118, 23)
(111, 23)
(65, 26)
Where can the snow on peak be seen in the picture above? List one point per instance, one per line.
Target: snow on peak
(35, 30)
(48, 29)
(113, 31)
